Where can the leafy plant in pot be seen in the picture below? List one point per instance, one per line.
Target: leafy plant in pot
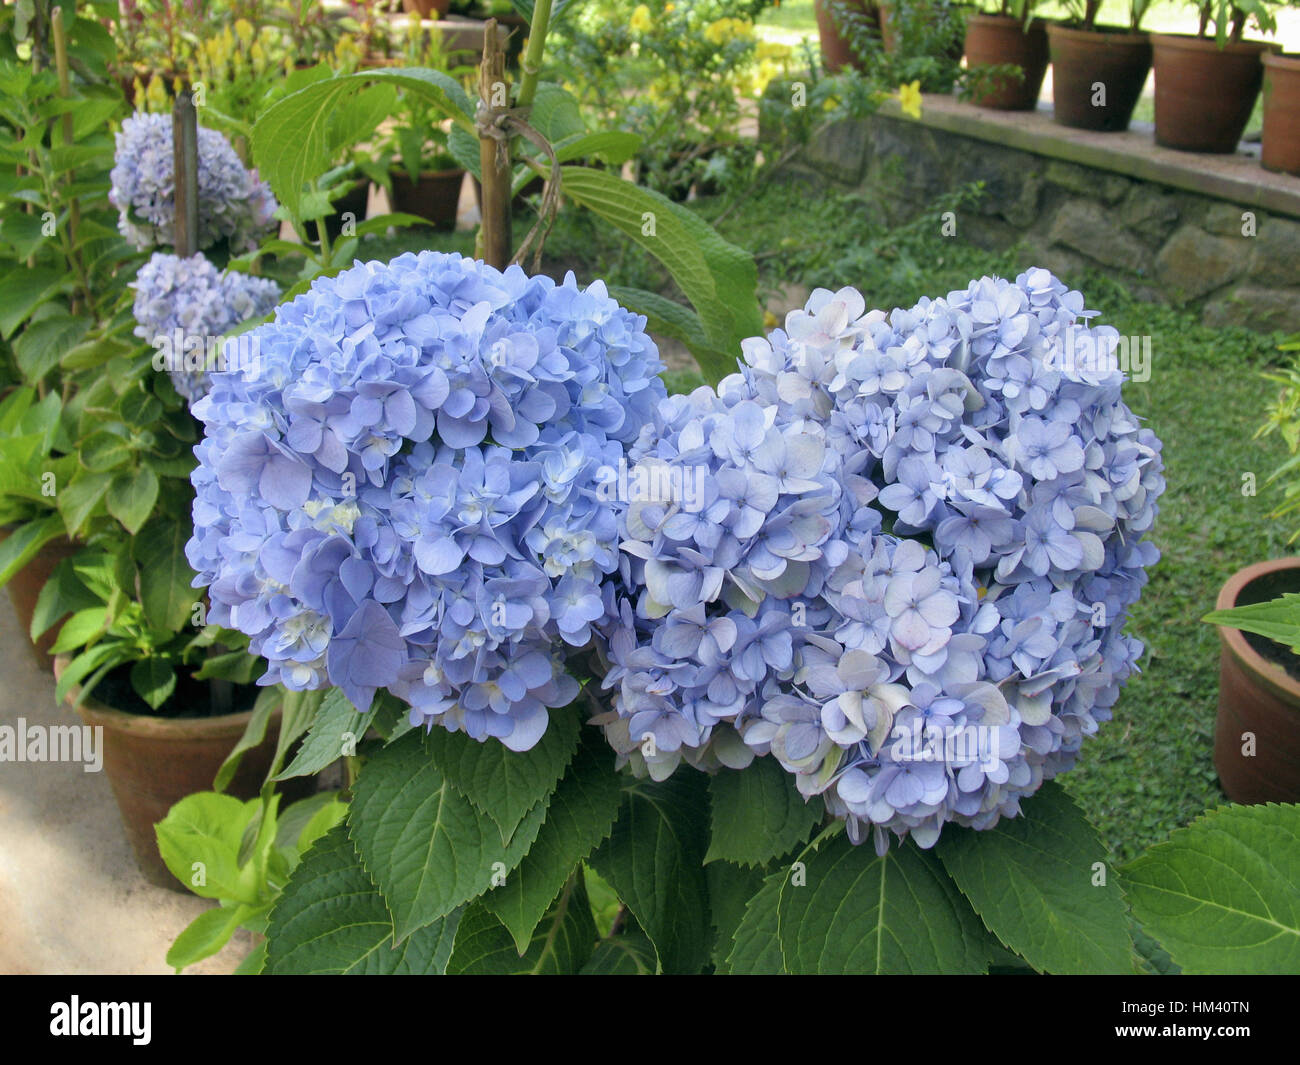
(1014, 44)
(1257, 731)
(1098, 71)
(1206, 86)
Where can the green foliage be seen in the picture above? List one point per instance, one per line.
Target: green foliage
(1221, 895)
(757, 813)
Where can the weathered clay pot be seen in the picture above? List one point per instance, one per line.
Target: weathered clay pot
(1205, 94)
(836, 53)
(1081, 59)
(994, 40)
(25, 588)
(1281, 148)
(154, 762)
(1257, 697)
(435, 197)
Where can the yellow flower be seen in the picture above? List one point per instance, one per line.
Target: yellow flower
(669, 8)
(244, 31)
(909, 99)
(640, 22)
(155, 95)
(770, 320)
(772, 50)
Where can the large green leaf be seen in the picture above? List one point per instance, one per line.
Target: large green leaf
(40, 346)
(165, 575)
(560, 945)
(654, 860)
(294, 141)
(422, 841)
(719, 278)
(502, 783)
(131, 497)
(859, 913)
(21, 545)
(1034, 882)
(199, 841)
(730, 889)
(336, 728)
(755, 947)
(622, 955)
(757, 813)
(1223, 894)
(25, 290)
(580, 815)
(670, 319)
(330, 919)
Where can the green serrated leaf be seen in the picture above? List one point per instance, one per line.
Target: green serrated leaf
(654, 860)
(165, 575)
(580, 816)
(337, 728)
(422, 841)
(502, 783)
(757, 813)
(755, 948)
(859, 913)
(560, 945)
(1221, 895)
(154, 680)
(730, 889)
(330, 919)
(1031, 879)
(131, 497)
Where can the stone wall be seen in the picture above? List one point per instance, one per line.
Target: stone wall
(1169, 244)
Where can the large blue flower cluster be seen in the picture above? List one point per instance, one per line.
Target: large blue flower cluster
(895, 552)
(183, 305)
(412, 491)
(233, 203)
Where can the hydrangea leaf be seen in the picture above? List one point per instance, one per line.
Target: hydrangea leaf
(757, 813)
(622, 955)
(337, 727)
(330, 919)
(422, 841)
(854, 912)
(1220, 895)
(559, 945)
(580, 815)
(165, 576)
(1031, 879)
(730, 889)
(755, 948)
(654, 860)
(501, 783)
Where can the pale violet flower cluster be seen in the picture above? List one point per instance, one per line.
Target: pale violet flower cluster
(411, 493)
(906, 568)
(184, 306)
(233, 204)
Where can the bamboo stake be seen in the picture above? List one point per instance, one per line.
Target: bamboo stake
(494, 150)
(185, 146)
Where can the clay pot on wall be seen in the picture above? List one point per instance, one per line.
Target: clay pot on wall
(995, 40)
(1204, 93)
(1257, 730)
(1281, 149)
(1097, 75)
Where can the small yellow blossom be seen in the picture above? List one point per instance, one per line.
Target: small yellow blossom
(244, 31)
(770, 320)
(909, 98)
(640, 22)
(772, 50)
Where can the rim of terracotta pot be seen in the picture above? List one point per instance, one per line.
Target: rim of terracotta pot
(1270, 674)
(1109, 34)
(432, 174)
(1282, 60)
(1187, 42)
(173, 728)
(1001, 20)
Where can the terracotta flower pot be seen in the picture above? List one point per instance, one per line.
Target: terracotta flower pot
(25, 588)
(436, 196)
(425, 8)
(888, 41)
(1259, 701)
(1097, 75)
(154, 762)
(994, 40)
(1204, 94)
(352, 202)
(836, 53)
(1281, 149)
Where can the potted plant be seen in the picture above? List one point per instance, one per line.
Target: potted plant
(1206, 85)
(1098, 71)
(1281, 147)
(843, 28)
(1257, 731)
(1012, 44)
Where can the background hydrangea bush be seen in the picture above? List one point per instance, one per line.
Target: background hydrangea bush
(234, 205)
(915, 526)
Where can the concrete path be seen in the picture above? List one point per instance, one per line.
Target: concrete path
(71, 898)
